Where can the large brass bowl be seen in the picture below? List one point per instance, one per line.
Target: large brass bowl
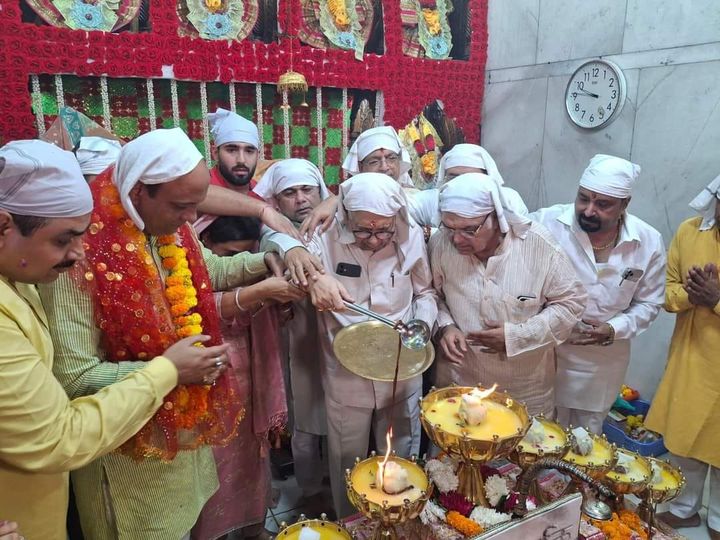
(595, 466)
(470, 452)
(663, 494)
(394, 510)
(634, 481)
(525, 454)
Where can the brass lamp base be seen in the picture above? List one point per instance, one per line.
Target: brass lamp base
(471, 484)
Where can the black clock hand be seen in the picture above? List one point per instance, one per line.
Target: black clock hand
(586, 93)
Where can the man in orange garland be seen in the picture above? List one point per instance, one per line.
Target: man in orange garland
(145, 282)
(45, 208)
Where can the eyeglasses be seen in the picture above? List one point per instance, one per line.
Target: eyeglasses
(377, 161)
(380, 235)
(468, 234)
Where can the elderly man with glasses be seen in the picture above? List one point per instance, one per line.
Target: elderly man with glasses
(507, 294)
(374, 255)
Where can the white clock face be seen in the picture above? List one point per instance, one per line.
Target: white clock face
(595, 94)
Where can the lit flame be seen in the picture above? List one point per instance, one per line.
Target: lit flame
(388, 441)
(482, 394)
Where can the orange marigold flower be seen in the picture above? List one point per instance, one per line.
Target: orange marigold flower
(179, 309)
(175, 293)
(462, 524)
(169, 263)
(174, 281)
(166, 239)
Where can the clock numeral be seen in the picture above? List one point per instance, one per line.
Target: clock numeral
(601, 113)
(580, 85)
(574, 95)
(592, 118)
(586, 75)
(595, 72)
(612, 82)
(609, 107)
(577, 107)
(604, 74)
(583, 114)
(614, 94)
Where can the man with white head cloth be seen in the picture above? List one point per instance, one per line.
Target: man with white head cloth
(95, 154)
(374, 253)
(620, 260)
(692, 376)
(146, 282)
(461, 159)
(45, 207)
(236, 150)
(507, 294)
(296, 187)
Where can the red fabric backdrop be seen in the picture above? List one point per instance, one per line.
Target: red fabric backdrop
(408, 83)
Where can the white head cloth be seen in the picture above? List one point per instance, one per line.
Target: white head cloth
(611, 176)
(288, 173)
(468, 155)
(705, 202)
(374, 139)
(39, 179)
(95, 154)
(157, 157)
(376, 193)
(475, 195)
(229, 127)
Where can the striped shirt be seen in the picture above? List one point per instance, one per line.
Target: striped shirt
(117, 497)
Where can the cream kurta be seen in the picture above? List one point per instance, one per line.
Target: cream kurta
(396, 285)
(530, 287)
(589, 376)
(42, 433)
(686, 408)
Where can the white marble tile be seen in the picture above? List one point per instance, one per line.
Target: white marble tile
(567, 149)
(512, 33)
(571, 29)
(676, 137)
(513, 120)
(656, 24)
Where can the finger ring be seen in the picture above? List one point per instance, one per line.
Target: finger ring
(218, 362)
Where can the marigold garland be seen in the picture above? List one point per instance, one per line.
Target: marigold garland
(632, 520)
(614, 529)
(463, 525)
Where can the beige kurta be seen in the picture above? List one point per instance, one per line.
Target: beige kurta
(530, 287)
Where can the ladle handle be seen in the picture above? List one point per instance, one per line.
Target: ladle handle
(372, 314)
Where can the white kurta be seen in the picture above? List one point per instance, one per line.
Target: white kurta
(589, 377)
(424, 206)
(472, 296)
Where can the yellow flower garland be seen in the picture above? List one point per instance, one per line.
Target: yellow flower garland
(179, 289)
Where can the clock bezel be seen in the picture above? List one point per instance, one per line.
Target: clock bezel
(622, 93)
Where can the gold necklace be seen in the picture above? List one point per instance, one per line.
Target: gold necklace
(611, 243)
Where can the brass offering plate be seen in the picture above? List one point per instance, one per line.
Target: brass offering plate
(633, 481)
(671, 483)
(370, 349)
(328, 530)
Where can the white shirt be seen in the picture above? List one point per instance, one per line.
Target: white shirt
(629, 305)
(589, 376)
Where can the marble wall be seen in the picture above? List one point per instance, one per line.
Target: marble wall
(669, 51)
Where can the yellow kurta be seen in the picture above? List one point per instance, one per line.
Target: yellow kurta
(42, 433)
(686, 408)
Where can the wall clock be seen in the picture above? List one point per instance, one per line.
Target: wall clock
(595, 94)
